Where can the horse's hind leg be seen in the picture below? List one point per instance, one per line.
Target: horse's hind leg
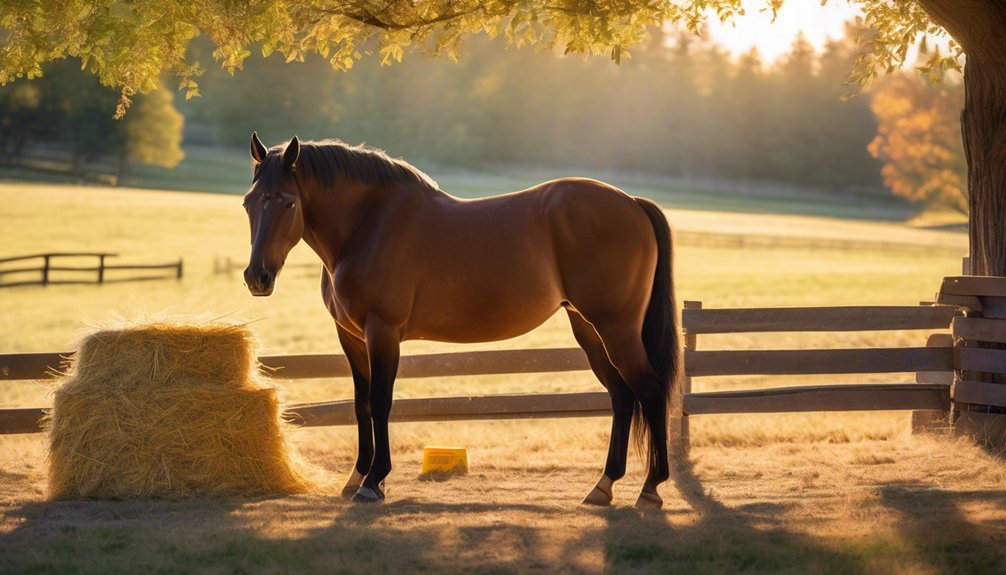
(622, 400)
(356, 353)
(624, 346)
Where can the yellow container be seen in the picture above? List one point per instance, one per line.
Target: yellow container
(452, 460)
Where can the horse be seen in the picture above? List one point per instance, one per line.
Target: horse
(404, 260)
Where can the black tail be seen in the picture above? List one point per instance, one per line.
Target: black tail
(660, 332)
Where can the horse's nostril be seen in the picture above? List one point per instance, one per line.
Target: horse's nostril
(264, 278)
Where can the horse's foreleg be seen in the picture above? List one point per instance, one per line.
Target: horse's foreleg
(383, 350)
(356, 354)
(365, 436)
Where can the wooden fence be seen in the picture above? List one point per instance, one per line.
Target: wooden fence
(932, 396)
(50, 269)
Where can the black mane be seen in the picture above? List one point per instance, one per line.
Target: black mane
(326, 160)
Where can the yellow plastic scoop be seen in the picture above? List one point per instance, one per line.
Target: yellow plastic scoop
(450, 460)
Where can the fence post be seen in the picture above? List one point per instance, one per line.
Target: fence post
(930, 421)
(101, 268)
(679, 434)
(45, 270)
(179, 274)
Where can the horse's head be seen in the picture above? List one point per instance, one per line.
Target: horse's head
(274, 213)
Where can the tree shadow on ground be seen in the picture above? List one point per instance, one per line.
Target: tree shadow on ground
(965, 542)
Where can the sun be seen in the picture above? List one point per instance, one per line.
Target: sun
(755, 29)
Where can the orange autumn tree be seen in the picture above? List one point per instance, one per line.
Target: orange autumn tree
(919, 140)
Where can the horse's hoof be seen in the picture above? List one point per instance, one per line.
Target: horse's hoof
(353, 484)
(649, 501)
(368, 495)
(597, 497)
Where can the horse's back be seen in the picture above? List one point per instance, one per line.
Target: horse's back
(583, 241)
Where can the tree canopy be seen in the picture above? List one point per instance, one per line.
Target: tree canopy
(130, 45)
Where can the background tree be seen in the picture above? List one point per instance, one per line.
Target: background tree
(68, 109)
(153, 133)
(77, 106)
(21, 117)
(919, 139)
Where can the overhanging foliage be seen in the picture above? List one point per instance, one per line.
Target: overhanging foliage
(131, 44)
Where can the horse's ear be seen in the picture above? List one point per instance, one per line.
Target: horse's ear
(258, 151)
(291, 154)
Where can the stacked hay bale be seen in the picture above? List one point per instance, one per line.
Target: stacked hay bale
(168, 410)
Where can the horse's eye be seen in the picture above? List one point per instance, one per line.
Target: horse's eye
(289, 204)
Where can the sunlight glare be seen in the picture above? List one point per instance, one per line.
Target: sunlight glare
(773, 39)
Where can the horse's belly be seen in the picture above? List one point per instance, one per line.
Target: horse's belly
(481, 317)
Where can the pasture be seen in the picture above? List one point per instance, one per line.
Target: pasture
(803, 493)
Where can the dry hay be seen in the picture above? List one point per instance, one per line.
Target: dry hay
(169, 410)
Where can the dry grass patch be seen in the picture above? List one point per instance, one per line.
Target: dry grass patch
(892, 506)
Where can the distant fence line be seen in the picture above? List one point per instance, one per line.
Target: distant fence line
(226, 265)
(716, 240)
(52, 271)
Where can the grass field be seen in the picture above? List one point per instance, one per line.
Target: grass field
(806, 493)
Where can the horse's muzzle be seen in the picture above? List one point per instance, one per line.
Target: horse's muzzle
(260, 282)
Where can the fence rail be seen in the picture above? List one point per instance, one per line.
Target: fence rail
(843, 397)
(45, 266)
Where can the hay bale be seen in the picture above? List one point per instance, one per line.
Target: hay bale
(168, 410)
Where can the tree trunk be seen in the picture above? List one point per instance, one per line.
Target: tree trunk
(123, 165)
(983, 122)
(980, 28)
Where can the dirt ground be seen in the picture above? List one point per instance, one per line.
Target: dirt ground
(899, 505)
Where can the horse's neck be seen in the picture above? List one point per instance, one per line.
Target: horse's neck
(330, 218)
(333, 216)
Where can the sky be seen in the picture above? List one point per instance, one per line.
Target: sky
(818, 23)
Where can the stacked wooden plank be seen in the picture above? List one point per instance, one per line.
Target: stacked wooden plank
(979, 390)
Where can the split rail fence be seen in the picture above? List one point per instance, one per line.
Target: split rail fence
(934, 362)
(52, 269)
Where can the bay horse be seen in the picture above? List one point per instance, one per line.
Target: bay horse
(404, 260)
